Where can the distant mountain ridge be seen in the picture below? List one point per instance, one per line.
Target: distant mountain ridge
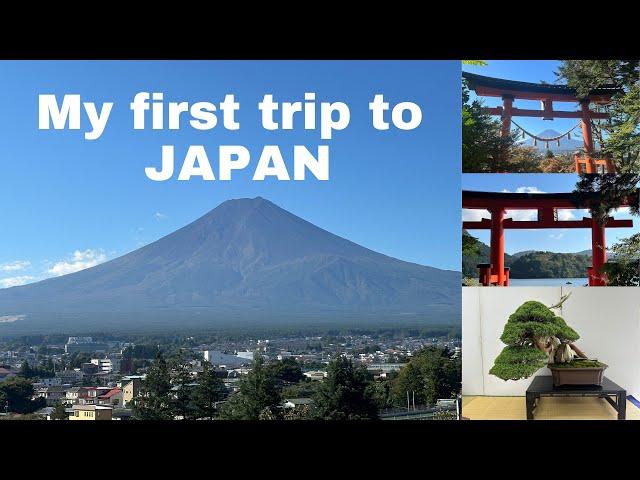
(533, 263)
(245, 257)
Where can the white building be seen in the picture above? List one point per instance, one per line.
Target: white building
(107, 364)
(219, 359)
(248, 354)
(315, 375)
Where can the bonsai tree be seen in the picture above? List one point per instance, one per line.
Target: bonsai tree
(535, 337)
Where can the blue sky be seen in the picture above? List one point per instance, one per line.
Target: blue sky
(527, 71)
(555, 240)
(68, 203)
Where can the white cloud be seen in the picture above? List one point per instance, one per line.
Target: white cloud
(522, 215)
(556, 236)
(15, 281)
(527, 190)
(80, 260)
(11, 318)
(14, 266)
(160, 216)
(622, 210)
(474, 215)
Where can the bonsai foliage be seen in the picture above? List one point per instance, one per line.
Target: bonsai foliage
(534, 336)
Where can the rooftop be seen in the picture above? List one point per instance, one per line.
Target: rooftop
(91, 407)
(299, 401)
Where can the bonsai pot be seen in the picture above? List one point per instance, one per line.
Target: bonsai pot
(577, 376)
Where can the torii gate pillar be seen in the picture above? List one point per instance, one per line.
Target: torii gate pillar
(599, 255)
(498, 275)
(587, 135)
(507, 113)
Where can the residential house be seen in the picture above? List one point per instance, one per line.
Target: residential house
(91, 412)
(75, 395)
(50, 382)
(130, 390)
(69, 376)
(52, 394)
(45, 412)
(113, 397)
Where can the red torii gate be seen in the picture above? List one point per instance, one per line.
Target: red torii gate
(510, 90)
(547, 205)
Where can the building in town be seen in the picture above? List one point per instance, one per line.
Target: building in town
(296, 402)
(76, 395)
(315, 375)
(220, 359)
(248, 354)
(69, 376)
(83, 344)
(113, 397)
(52, 394)
(110, 364)
(130, 390)
(91, 412)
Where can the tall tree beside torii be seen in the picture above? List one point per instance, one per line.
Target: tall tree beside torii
(621, 140)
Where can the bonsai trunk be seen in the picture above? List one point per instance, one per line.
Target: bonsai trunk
(579, 352)
(547, 347)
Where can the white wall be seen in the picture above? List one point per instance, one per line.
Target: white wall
(607, 319)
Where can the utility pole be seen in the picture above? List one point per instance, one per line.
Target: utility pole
(408, 408)
(414, 399)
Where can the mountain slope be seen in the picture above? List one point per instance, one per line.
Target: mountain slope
(244, 255)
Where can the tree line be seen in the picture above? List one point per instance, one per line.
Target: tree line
(349, 391)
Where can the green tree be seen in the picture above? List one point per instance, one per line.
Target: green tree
(16, 394)
(470, 244)
(208, 393)
(154, 401)
(182, 385)
(288, 370)
(431, 374)
(620, 136)
(483, 149)
(78, 358)
(344, 394)
(381, 392)
(257, 392)
(59, 412)
(25, 370)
